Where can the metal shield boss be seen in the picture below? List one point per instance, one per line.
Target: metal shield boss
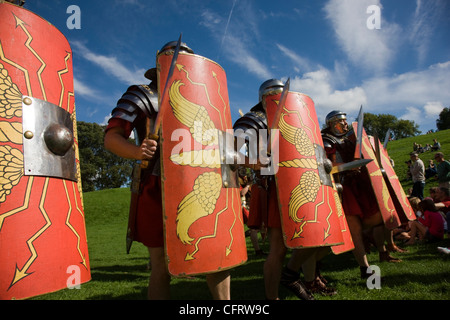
(43, 246)
(308, 203)
(203, 222)
(402, 205)
(380, 189)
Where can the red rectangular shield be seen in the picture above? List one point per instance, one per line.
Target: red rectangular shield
(43, 241)
(398, 195)
(203, 222)
(384, 200)
(306, 197)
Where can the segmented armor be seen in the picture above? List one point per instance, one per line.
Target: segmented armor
(254, 119)
(137, 104)
(342, 147)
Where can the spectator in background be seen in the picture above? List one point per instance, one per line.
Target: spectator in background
(418, 175)
(430, 226)
(442, 170)
(431, 170)
(433, 193)
(436, 145)
(442, 202)
(442, 199)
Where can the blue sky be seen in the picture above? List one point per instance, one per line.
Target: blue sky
(324, 46)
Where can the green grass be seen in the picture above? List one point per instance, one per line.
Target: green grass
(424, 273)
(399, 151)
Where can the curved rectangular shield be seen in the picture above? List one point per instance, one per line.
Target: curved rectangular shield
(203, 222)
(306, 197)
(43, 245)
(398, 195)
(384, 200)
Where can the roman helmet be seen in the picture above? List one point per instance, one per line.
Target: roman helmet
(332, 122)
(169, 46)
(270, 86)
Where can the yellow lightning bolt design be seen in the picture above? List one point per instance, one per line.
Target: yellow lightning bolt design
(298, 233)
(83, 259)
(228, 249)
(24, 206)
(384, 191)
(22, 24)
(190, 256)
(25, 71)
(180, 68)
(22, 273)
(60, 73)
(327, 234)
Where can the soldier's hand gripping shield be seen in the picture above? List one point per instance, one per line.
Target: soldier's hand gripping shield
(43, 246)
(203, 222)
(307, 200)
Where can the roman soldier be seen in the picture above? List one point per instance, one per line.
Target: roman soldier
(359, 201)
(173, 194)
(297, 184)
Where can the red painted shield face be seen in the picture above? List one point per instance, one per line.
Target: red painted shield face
(203, 222)
(308, 203)
(43, 246)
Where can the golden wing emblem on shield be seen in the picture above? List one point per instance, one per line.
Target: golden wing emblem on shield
(200, 202)
(192, 115)
(10, 96)
(11, 159)
(306, 190)
(297, 137)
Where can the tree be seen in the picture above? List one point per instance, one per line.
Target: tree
(100, 169)
(381, 123)
(443, 122)
(405, 128)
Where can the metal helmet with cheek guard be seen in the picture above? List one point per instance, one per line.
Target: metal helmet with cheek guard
(332, 121)
(269, 86)
(151, 74)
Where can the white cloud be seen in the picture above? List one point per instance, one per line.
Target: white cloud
(111, 65)
(412, 114)
(85, 90)
(433, 109)
(412, 88)
(301, 64)
(416, 96)
(319, 86)
(235, 44)
(425, 115)
(238, 52)
(372, 50)
(424, 24)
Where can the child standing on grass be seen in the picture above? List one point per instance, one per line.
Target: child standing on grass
(430, 226)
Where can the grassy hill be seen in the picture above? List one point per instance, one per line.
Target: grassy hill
(424, 273)
(399, 151)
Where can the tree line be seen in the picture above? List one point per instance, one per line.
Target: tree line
(101, 169)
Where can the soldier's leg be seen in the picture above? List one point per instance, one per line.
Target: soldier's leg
(274, 263)
(290, 275)
(219, 285)
(376, 222)
(355, 226)
(159, 284)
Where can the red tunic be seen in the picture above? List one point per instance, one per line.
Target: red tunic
(149, 222)
(264, 208)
